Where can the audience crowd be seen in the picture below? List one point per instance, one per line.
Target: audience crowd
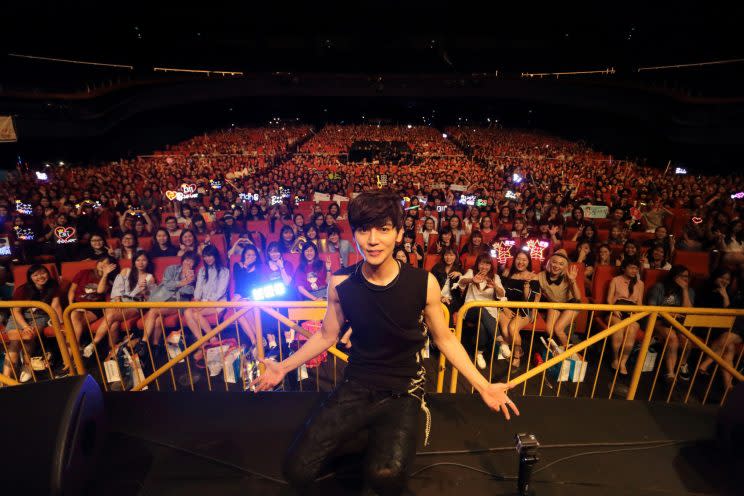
(493, 213)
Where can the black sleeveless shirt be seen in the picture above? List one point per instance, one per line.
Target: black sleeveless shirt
(387, 332)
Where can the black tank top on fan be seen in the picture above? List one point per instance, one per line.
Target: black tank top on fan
(387, 335)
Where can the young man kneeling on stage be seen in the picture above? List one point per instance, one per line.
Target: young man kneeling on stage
(383, 388)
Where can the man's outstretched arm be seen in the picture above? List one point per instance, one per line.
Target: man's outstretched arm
(318, 343)
(494, 395)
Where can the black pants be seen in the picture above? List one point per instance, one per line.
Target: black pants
(391, 420)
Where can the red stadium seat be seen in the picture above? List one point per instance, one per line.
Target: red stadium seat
(698, 262)
(162, 263)
(641, 237)
(468, 261)
(430, 260)
(603, 274)
(650, 278)
(71, 269)
(145, 243)
(335, 260)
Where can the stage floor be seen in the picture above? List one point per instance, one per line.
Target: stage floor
(208, 443)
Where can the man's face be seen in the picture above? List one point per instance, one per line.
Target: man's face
(377, 243)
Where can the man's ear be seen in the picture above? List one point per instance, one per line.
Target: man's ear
(399, 236)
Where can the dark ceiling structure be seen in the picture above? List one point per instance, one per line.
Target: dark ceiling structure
(672, 74)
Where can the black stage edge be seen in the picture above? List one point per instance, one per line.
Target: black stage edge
(151, 434)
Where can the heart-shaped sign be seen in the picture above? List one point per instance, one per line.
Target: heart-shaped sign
(188, 188)
(64, 233)
(171, 195)
(697, 220)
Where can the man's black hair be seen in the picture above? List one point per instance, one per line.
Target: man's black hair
(376, 209)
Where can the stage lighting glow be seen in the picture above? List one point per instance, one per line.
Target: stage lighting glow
(444, 135)
(42, 176)
(268, 291)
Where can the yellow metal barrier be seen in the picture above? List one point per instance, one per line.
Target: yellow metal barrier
(300, 310)
(244, 312)
(12, 339)
(699, 318)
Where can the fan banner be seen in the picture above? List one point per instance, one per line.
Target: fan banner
(7, 130)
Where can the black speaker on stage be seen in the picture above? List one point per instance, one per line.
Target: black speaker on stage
(730, 424)
(51, 435)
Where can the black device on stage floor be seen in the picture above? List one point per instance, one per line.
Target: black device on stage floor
(52, 432)
(527, 446)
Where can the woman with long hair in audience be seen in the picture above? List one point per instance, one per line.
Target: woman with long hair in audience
(455, 225)
(448, 272)
(428, 228)
(91, 285)
(188, 241)
(716, 294)
(586, 233)
(486, 228)
(200, 225)
(178, 284)
(604, 255)
(506, 216)
(95, 248)
(577, 219)
(254, 213)
(131, 284)
(732, 245)
(558, 284)
(129, 246)
(330, 221)
(312, 275)
(277, 269)
(673, 291)
(286, 239)
(212, 283)
(26, 324)
(162, 246)
(475, 245)
(483, 284)
(520, 232)
(445, 240)
(319, 222)
(617, 234)
(630, 250)
(335, 210)
(248, 275)
(400, 255)
(410, 246)
(657, 261)
(625, 289)
(298, 224)
(553, 216)
(585, 255)
(472, 220)
(520, 284)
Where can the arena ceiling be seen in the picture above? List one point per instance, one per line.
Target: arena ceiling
(382, 36)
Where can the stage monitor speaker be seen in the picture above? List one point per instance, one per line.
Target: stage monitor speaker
(51, 435)
(730, 424)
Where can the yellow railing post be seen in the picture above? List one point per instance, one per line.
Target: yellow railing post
(195, 346)
(642, 356)
(696, 341)
(59, 333)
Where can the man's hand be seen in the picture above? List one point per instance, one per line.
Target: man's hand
(271, 376)
(495, 397)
